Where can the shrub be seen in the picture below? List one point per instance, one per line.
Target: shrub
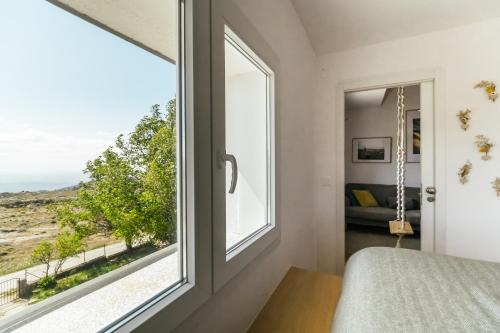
(47, 282)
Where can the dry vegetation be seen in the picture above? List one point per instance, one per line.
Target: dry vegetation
(25, 220)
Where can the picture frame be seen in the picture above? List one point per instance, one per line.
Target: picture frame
(413, 142)
(372, 150)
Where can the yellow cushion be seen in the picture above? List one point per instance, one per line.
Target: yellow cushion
(365, 198)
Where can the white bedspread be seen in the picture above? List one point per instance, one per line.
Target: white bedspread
(396, 290)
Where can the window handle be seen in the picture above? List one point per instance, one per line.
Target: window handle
(234, 168)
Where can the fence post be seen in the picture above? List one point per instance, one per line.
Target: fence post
(22, 288)
(104, 250)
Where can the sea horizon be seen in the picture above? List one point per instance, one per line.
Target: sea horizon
(36, 183)
(34, 186)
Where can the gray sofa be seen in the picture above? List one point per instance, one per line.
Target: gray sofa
(379, 216)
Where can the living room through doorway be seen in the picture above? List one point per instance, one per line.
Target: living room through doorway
(370, 167)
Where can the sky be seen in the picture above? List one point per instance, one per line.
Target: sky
(67, 90)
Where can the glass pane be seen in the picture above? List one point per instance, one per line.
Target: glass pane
(247, 114)
(88, 144)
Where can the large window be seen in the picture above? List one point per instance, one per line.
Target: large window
(93, 166)
(136, 178)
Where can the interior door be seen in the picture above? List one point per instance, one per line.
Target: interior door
(244, 71)
(427, 160)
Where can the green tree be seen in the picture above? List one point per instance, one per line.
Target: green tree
(111, 197)
(67, 245)
(132, 188)
(43, 253)
(159, 197)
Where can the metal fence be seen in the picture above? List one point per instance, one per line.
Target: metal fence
(9, 291)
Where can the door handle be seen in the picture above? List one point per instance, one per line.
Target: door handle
(234, 169)
(430, 190)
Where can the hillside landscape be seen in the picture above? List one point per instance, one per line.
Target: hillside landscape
(26, 219)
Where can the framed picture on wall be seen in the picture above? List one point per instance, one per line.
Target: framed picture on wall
(372, 150)
(413, 136)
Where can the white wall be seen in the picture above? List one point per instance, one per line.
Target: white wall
(467, 55)
(236, 305)
(379, 121)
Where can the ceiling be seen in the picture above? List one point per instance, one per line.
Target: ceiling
(364, 100)
(336, 25)
(332, 25)
(151, 24)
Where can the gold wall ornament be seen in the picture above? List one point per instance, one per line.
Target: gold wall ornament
(496, 186)
(484, 145)
(490, 88)
(464, 117)
(464, 172)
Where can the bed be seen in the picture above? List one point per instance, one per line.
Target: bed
(398, 290)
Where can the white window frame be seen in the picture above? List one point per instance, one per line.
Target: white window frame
(228, 19)
(171, 310)
(247, 52)
(168, 309)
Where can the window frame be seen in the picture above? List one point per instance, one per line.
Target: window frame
(207, 265)
(227, 264)
(173, 307)
(239, 45)
(169, 308)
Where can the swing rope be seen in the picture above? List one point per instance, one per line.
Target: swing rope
(401, 155)
(400, 227)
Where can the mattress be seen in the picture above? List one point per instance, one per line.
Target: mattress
(399, 290)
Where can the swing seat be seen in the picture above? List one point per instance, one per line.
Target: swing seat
(395, 227)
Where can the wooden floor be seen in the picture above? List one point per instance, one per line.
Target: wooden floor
(303, 302)
(361, 237)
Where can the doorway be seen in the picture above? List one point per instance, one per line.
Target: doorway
(371, 163)
(426, 191)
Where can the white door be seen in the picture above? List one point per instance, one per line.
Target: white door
(427, 158)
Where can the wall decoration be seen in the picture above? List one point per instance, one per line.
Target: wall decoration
(484, 145)
(413, 136)
(490, 89)
(372, 150)
(496, 186)
(464, 117)
(463, 173)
